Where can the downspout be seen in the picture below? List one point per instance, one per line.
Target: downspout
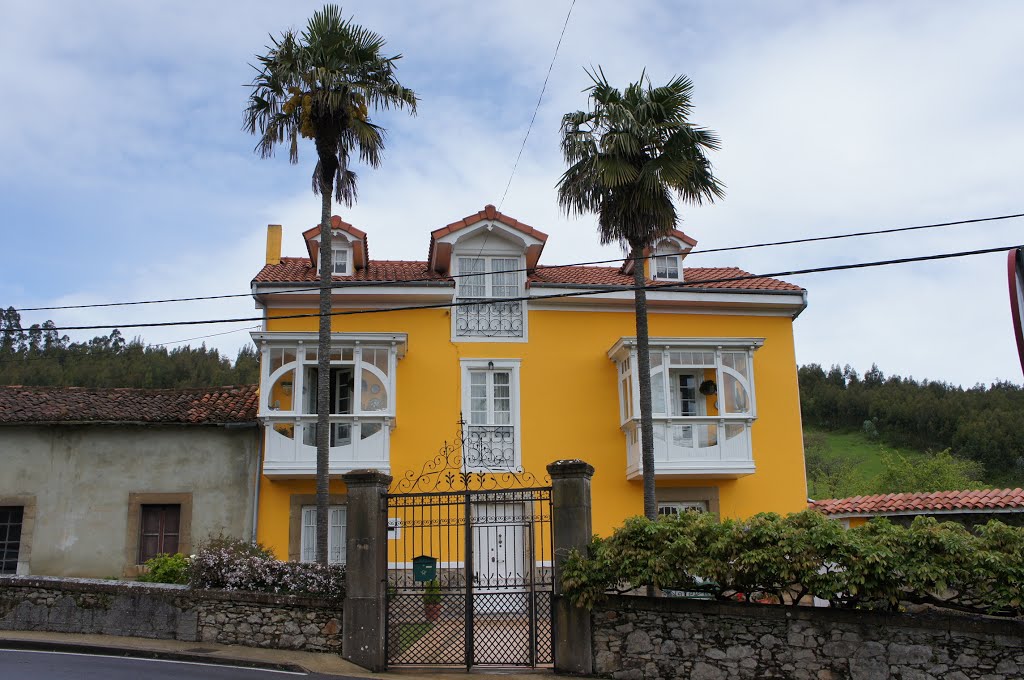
(256, 481)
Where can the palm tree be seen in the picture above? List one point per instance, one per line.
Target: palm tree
(627, 156)
(320, 84)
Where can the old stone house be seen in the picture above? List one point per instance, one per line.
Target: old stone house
(93, 482)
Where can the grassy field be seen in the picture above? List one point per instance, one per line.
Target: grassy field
(865, 454)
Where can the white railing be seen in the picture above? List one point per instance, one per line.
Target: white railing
(694, 446)
(355, 443)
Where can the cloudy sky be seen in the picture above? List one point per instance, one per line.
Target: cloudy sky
(126, 174)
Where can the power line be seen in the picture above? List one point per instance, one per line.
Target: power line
(354, 284)
(78, 357)
(202, 337)
(543, 88)
(600, 291)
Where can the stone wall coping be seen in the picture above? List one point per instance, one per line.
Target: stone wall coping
(366, 478)
(92, 585)
(966, 623)
(570, 468)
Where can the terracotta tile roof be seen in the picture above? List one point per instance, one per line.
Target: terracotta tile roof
(299, 270)
(964, 501)
(613, 276)
(192, 406)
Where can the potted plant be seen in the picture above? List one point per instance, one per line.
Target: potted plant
(432, 601)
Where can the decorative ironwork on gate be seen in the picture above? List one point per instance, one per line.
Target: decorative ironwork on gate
(470, 579)
(467, 463)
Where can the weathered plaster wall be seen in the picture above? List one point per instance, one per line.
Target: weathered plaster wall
(170, 612)
(81, 478)
(639, 638)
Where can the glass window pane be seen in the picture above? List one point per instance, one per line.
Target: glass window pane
(374, 391)
(658, 392)
(504, 277)
(474, 286)
(279, 398)
(735, 394)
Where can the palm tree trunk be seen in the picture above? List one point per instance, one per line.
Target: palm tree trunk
(323, 372)
(643, 371)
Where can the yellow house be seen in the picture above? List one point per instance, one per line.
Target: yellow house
(537, 362)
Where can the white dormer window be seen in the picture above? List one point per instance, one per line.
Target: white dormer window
(341, 260)
(666, 267)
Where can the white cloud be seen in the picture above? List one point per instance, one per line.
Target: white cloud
(126, 150)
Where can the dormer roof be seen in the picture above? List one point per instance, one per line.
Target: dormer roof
(356, 239)
(679, 239)
(443, 240)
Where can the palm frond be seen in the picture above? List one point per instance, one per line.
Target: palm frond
(322, 83)
(632, 154)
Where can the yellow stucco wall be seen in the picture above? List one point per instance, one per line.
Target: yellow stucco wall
(570, 405)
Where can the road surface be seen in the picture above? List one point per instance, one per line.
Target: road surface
(33, 665)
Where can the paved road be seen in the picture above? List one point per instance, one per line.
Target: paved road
(24, 665)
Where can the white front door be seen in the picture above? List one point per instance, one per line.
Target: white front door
(500, 551)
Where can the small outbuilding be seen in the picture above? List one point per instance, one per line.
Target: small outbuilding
(970, 508)
(93, 482)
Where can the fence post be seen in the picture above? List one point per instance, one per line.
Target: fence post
(571, 526)
(363, 619)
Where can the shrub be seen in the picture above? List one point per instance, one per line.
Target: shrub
(224, 568)
(166, 568)
(432, 594)
(769, 558)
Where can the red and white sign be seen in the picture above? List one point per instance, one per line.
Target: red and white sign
(1015, 267)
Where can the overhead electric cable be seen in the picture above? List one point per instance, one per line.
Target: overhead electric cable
(354, 284)
(589, 292)
(543, 88)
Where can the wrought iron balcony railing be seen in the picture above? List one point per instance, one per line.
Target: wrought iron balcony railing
(491, 447)
(493, 319)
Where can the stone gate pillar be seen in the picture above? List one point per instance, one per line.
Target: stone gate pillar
(571, 527)
(367, 567)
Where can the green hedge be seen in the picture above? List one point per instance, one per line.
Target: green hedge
(769, 558)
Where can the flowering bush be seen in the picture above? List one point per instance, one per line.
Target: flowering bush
(226, 565)
(768, 558)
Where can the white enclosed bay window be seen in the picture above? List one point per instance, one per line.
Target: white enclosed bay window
(361, 400)
(703, 405)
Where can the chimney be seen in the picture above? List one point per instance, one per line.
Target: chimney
(273, 244)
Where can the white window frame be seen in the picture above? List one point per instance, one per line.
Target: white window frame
(511, 366)
(488, 274)
(336, 534)
(667, 260)
(341, 252)
(675, 396)
(668, 253)
(678, 507)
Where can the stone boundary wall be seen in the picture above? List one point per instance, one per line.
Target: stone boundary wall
(646, 638)
(156, 610)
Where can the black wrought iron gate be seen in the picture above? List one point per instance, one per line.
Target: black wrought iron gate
(469, 571)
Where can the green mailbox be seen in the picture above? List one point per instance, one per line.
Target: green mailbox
(424, 568)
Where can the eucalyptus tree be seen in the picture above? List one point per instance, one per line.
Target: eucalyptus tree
(629, 156)
(321, 84)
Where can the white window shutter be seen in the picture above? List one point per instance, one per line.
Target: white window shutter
(308, 538)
